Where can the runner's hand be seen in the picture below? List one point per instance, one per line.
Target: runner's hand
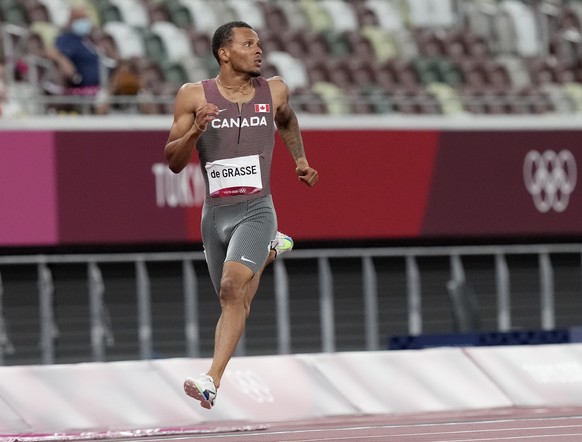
(306, 174)
(205, 113)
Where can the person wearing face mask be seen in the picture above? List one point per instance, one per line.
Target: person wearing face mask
(81, 68)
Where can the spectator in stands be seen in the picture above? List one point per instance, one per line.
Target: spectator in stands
(79, 58)
(125, 82)
(231, 120)
(16, 94)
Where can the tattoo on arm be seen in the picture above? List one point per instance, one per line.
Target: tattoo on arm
(291, 135)
(294, 143)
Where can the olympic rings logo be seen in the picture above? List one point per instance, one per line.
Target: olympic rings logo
(550, 178)
(249, 383)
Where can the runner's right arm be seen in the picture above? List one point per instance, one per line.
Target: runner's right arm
(191, 116)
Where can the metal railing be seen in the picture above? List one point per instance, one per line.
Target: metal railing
(42, 104)
(100, 329)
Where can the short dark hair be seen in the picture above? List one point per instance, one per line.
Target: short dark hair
(223, 35)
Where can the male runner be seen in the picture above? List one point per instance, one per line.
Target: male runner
(231, 120)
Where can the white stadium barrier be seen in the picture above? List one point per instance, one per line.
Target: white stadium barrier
(146, 396)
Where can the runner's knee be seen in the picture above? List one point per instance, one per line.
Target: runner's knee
(231, 291)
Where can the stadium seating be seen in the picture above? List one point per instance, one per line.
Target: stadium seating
(248, 11)
(379, 56)
(58, 11)
(14, 13)
(334, 97)
(128, 41)
(132, 12)
(108, 12)
(46, 31)
(290, 66)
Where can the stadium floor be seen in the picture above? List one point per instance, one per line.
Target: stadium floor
(508, 424)
(498, 425)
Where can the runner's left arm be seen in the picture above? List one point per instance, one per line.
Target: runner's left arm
(288, 127)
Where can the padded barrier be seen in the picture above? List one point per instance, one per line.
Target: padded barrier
(532, 376)
(409, 382)
(146, 397)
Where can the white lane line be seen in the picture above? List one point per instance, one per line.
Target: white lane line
(338, 437)
(541, 436)
(470, 424)
(384, 437)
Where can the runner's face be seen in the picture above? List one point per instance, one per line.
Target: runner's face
(245, 51)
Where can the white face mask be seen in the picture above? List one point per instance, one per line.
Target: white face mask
(81, 26)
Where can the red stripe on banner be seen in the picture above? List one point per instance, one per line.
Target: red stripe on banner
(372, 184)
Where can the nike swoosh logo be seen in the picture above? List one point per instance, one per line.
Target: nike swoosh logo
(221, 110)
(247, 260)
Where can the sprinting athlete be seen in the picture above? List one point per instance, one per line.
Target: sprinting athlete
(231, 120)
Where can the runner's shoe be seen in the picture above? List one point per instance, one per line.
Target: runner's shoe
(202, 389)
(281, 244)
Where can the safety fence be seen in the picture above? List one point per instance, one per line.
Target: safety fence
(324, 290)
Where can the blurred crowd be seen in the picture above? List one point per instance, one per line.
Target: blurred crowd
(338, 56)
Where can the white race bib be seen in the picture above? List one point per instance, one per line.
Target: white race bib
(234, 176)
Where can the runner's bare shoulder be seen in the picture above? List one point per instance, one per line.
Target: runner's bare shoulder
(191, 89)
(278, 86)
(276, 79)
